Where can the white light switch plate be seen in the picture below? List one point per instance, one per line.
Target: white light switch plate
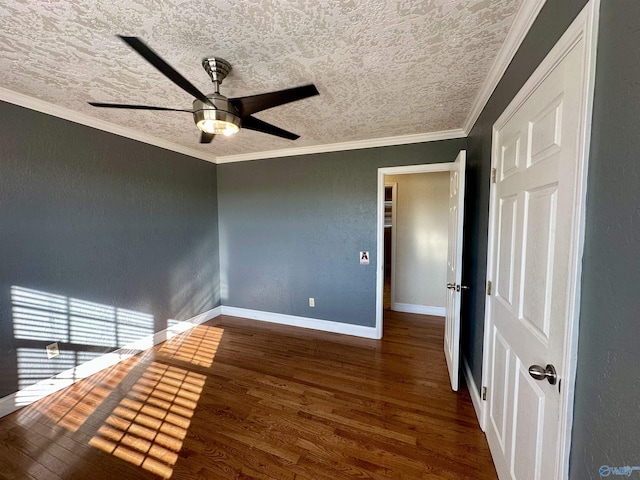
(53, 350)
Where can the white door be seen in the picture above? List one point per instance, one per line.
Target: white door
(534, 234)
(454, 268)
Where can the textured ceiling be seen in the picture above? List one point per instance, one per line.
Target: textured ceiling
(383, 68)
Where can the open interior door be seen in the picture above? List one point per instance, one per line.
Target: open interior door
(454, 268)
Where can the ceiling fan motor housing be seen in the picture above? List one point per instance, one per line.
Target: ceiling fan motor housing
(221, 113)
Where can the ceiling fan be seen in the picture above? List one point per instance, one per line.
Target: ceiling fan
(214, 113)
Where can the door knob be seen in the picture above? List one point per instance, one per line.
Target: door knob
(451, 286)
(461, 287)
(539, 373)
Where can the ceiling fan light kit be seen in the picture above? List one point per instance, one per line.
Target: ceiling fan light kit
(215, 114)
(220, 119)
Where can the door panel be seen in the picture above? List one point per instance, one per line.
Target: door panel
(538, 260)
(506, 241)
(454, 268)
(500, 388)
(510, 158)
(528, 424)
(534, 204)
(546, 132)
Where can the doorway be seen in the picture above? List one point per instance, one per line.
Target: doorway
(416, 240)
(384, 175)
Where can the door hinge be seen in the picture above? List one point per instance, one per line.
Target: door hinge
(494, 174)
(489, 287)
(484, 393)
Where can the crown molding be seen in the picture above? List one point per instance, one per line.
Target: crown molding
(42, 106)
(525, 17)
(337, 147)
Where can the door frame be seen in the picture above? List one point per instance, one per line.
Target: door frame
(584, 27)
(409, 169)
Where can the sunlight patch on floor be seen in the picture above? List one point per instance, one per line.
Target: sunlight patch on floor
(197, 346)
(72, 406)
(149, 425)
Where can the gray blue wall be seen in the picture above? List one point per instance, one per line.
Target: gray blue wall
(607, 402)
(93, 217)
(292, 228)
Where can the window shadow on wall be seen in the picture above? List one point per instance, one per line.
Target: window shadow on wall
(83, 330)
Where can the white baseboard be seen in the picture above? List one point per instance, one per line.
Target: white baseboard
(478, 404)
(30, 394)
(421, 309)
(304, 322)
(204, 317)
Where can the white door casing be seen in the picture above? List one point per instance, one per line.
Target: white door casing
(454, 268)
(535, 247)
(405, 170)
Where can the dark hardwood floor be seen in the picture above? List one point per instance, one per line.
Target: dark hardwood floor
(234, 398)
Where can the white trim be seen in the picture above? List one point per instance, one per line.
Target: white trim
(30, 394)
(591, 14)
(197, 320)
(584, 26)
(380, 254)
(421, 309)
(303, 322)
(424, 168)
(42, 106)
(525, 17)
(338, 147)
(476, 399)
(491, 240)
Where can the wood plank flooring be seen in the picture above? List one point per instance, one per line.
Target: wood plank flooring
(238, 399)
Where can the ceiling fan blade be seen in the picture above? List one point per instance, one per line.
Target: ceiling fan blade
(256, 103)
(172, 74)
(136, 107)
(252, 123)
(206, 137)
